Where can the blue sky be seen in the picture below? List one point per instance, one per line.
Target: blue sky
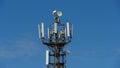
(96, 39)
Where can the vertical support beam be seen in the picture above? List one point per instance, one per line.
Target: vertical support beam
(56, 32)
(65, 32)
(56, 59)
(48, 33)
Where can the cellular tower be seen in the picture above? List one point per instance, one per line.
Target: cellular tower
(58, 36)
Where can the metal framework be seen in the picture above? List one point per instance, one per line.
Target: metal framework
(58, 36)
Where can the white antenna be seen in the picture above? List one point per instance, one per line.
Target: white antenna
(55, 27)
(68, 29)
(39, 30)
(47, 57)
(42, 29)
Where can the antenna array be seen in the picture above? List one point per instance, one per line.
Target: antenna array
(57, 37)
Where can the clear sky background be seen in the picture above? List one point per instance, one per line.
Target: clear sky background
(95, 43)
